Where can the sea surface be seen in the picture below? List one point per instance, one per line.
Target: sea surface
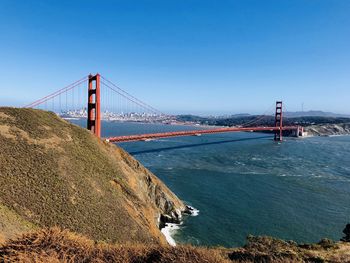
(245, 183)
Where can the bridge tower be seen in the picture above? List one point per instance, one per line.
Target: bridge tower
(279, 121)
(94, 113)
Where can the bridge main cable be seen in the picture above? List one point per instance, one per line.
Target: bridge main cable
(56, 93)
(127, 95)
(123, 95)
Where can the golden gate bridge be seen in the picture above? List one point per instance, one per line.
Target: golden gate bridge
(95, 98)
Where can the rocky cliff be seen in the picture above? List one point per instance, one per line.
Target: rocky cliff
(328, 129)
(54, 173)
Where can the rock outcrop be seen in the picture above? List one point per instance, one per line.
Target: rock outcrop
(346, 231)
(328, 129)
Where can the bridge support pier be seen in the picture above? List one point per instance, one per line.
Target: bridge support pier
(93, 109)
(279, 121)
(300, 131)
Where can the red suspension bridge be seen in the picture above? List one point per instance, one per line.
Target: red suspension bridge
(97, 98)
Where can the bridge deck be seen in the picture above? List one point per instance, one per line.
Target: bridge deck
(142, 137)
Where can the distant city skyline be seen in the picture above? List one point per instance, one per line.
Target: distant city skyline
(187, 56)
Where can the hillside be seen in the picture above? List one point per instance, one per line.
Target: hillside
(54, 173)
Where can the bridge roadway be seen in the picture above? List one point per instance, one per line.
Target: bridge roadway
(150, 136)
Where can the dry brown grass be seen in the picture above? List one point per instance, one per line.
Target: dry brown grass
(2, 239)
(268, 249)
(54, 245)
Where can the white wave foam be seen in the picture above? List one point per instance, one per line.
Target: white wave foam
(194, 211)
(70, 118)
(338, 135)
(290, 175)
(171, 228)
(168, 231)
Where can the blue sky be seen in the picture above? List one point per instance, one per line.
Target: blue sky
(195, 56)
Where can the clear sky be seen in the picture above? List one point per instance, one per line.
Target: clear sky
(197, 56)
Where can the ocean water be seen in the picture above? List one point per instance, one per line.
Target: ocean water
(245, 183)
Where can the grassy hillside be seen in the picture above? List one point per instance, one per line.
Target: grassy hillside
(54, 245)
(54, 173)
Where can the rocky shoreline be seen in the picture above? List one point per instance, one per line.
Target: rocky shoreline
(168, 224)
(328, 129)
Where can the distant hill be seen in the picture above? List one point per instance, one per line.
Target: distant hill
(54, 173)
(287, 114)
(314, 114)
(290, 118)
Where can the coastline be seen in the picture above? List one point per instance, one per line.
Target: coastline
(169, 229)
(328, 130)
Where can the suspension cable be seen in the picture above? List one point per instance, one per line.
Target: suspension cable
(56, 93)
(131, 97)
